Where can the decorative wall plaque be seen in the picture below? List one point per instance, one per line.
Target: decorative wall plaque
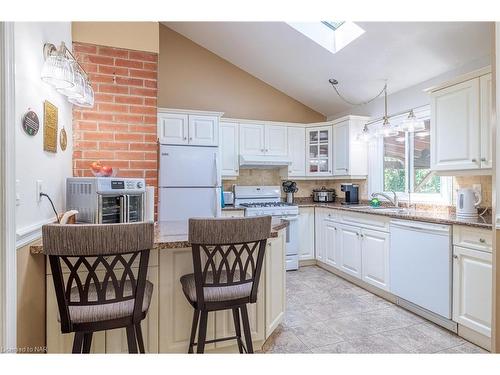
(63, 139)
(31, 124)
(49, 127)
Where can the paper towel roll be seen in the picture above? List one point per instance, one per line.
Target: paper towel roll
(149, 209)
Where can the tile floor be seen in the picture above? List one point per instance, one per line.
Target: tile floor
(327, 314)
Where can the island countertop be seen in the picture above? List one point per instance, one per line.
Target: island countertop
(174, 234)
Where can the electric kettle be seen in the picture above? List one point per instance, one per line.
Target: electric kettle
(468, 201)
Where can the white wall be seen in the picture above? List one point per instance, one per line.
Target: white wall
(32, 163)
(411, 97)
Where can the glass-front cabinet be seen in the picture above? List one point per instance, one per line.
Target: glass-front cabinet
(319, 151)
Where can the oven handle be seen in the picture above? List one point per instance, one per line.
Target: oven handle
(123, 208)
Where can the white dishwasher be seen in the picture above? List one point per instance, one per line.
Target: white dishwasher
(421, 264)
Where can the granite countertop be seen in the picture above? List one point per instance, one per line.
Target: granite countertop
(174, 234)
(442, 216)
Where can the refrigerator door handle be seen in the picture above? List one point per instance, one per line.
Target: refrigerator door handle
(216, 172)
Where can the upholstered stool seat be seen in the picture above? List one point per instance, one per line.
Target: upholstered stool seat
(107, 311)
(215, 293)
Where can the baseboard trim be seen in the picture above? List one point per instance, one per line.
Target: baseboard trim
(475, 337)
(307, 262)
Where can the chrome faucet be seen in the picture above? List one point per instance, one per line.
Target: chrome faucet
(394, 201)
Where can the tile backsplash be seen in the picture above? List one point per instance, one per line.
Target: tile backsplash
(272, 177)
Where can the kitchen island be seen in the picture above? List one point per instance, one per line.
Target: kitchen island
(167, 326)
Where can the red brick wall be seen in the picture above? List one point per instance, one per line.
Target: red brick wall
(121, 128)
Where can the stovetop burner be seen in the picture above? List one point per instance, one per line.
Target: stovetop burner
(266, 204)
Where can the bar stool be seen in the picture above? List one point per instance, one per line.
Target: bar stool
(228, 255)
(103, 285)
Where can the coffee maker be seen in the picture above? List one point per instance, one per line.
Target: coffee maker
(351, 193)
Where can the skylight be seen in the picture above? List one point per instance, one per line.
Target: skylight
(331, 35)
(334, 25)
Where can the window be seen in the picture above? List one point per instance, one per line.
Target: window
(404, 166)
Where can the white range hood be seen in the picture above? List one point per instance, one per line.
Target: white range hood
(264, 162)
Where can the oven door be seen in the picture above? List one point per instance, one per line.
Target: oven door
(292, 241)
(135, 208)
(111, 209)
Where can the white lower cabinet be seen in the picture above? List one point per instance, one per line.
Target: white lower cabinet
(275, 284)
(331, 244)
(375, 258)
(344, 241)
(472, 275)
(306, 233)
(350, 250)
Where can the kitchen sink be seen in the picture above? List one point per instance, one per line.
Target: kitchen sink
(388, 210)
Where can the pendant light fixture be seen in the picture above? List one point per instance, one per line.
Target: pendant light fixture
(387, 130)
(365, 135)
(62, 71)
(412, 123)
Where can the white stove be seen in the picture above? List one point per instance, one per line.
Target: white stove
(266, 200)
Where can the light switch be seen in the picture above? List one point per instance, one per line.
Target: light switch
(18, 194)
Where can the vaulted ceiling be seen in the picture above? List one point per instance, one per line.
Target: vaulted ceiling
(403, 53)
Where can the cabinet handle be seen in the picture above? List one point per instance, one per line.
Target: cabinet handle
(261, 150)
(185, 138)
(483, 159)
(190, 138)
(482, 240)
(267, 150)
(474, 160)
(362, 235)
(455, 256)
(236, 170)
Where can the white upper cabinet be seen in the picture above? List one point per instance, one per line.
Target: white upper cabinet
(485, 113)
(297, 151)
(173, 128)
(319, 151)
(460, 125)
(263, 139)
(203, 130)
(276, 140)
(350, 157)
(229, 149)
(188, 128)
(252, 139)
(341, 149)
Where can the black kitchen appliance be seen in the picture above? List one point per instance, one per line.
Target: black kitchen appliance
(351, 192)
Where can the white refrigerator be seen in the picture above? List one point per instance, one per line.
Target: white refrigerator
(189, 182)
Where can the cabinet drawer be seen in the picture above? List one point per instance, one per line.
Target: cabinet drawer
(473, 238)
(376, 222)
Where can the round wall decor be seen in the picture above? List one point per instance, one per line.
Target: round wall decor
(30, 123)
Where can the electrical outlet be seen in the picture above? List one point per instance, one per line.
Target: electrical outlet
(39, 189)
(478, 188)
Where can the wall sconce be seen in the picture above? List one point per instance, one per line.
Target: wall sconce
(62, 71)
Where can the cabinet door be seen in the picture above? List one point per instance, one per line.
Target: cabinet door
(297, 151)
(350, 250)
(306, 233)
(341, 149)
(319, 227)
(276, 140)
(331, 244)
(228, 147)
(375, 258)
(58, 342)
(116, 339)
(203, 130)
(486, 109)
(472, 281)
(173, 128)
(319, 151)
(275, 283)
(175, 312)
(252, 139)
(455, 142)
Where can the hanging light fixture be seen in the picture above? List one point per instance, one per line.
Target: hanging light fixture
(387, 130)
(412, 123)
(365, 135)
(66, 75)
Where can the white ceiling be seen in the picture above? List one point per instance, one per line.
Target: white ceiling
(404, 53)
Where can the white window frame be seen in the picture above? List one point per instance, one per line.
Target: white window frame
(376, 167)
